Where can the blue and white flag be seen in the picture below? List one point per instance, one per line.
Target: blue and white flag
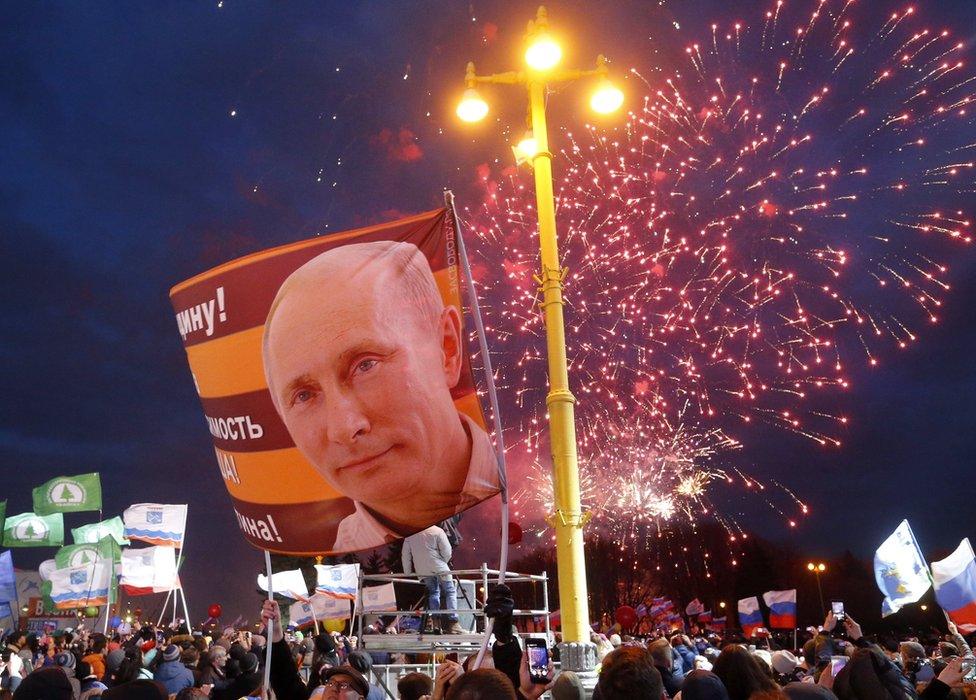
(380, 598)
(80, 586)
(338, 581)
(900, 570)
(156, 523)
(318, 607)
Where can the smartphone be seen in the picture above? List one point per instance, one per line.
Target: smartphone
(538, 652)
(836, 664)
(837, 607)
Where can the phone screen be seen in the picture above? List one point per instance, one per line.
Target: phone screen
(538, 660)
(837, 663)
(837, 607)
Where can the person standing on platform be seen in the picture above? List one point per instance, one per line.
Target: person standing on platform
(428, 554)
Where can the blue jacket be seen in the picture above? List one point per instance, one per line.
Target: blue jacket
(687, 657)
(174, 675)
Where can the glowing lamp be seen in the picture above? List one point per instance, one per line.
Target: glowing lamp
(472, 108)
(543, 53)
(607, 98)
(526, 148)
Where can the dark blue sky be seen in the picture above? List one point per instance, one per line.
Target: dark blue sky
(123, 172)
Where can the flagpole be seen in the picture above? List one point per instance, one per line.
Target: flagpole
(311, 606)
(268, 644)
(162, 613)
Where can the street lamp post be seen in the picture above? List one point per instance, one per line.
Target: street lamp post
(568, 519)
(818, 569)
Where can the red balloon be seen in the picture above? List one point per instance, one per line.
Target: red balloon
(514, 533)
(626, 616)
(215, 610)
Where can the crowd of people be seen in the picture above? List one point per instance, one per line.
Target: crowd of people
(834, 662)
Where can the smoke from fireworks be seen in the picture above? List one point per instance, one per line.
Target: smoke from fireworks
(773, 214)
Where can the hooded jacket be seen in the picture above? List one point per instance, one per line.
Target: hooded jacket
(174, 675)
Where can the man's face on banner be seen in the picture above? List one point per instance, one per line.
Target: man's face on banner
(361, 373)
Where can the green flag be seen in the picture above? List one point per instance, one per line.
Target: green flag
(69, 494)
(81, 554)
(31, 530)
(47, 603)
(3, 512)
(90, 534)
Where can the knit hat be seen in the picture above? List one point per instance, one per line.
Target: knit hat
(65, 660)
(114, 660)
(567, 687)
(171, 653)
(249, 663)
(355, 677)
(703, 685)
(765, 656)
(615, 640)
(45, 684)
(784, 662)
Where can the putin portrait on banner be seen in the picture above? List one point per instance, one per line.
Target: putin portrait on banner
(360, 356)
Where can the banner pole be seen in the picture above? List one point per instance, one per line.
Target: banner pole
(267, 651)
(315, 620)
(496, 414)
(162, 613)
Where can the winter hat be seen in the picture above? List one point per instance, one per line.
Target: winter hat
(765, 656)
(148, 657)
(615, 640)
(65, 660)
(703, 685)
(567, 687)
(171, 653)
(356, 678)
(249, 663)
(702, 663)
(45, 684)
(142, 689)
(784, 662)
(114, 660)
(257, 641)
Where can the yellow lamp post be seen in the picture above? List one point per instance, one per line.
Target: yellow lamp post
(542, 57)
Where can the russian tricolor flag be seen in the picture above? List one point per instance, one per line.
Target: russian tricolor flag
(782, 608)
(750, 617)
(955, 586)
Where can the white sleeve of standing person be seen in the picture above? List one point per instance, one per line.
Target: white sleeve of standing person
(443, 546)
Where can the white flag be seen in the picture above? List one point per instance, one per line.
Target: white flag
(900, 571)
(379, 598)
(148, 570)
(156, 523)
(81, 586)
(339, 581)
(45, 569)
(289, 583)
(325, 608)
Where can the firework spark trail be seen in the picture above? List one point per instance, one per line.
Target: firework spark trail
(750, 232)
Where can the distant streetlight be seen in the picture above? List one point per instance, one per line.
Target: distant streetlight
(924, 607)
(721, 604)
(818, 569)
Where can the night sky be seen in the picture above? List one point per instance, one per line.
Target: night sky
(144, 143)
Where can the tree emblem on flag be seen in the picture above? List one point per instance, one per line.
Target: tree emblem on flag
(85, 555)
(78, 577)
(31, 530)
(66, 492)
(154, 517)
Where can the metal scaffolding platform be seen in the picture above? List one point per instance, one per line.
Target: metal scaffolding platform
(421, 642)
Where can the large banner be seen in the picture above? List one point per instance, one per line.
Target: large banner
(337, 388)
